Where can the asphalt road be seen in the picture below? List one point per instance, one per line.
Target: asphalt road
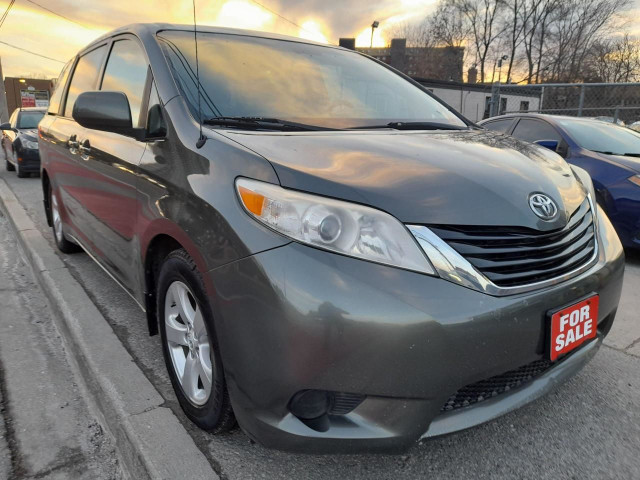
(588, 428)
(46, 428)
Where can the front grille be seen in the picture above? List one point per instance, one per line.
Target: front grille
(494, 386)
(514, 256)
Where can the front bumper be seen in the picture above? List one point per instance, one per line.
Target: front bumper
(296, 318)
(29, 160)
(623, 208)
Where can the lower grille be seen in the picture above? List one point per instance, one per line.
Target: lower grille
(344, 403)
(494, 386)
(515, 256)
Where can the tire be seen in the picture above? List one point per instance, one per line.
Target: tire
(64, 245)
(10, 166)
(192, 349)
(21, 174)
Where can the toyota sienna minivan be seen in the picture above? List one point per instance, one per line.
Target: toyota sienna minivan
(334, 258)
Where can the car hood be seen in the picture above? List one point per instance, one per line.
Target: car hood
(632, 163)
(472, 177)
(29, 134)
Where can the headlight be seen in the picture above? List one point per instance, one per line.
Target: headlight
(341, 227)
(635, 179)
(29, 145)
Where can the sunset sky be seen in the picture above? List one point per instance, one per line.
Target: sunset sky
(32, 27)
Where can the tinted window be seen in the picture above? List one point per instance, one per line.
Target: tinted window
(262, 77)
(499, 125)
(534, 130)
(602, 137)
(56, 96)
(29, 119)
(126, 72)
(85, 76)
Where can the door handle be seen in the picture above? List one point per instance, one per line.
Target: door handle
(85, 149)
(72, 143)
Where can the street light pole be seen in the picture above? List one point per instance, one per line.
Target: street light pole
(374, 25)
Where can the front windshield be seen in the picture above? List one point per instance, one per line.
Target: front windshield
(603, 137)
(243, 76)
(29, 119)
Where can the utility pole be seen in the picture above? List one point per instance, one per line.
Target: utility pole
(374, 25)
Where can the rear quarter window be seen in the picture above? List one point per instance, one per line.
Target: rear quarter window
(501, 126)
(56, 96)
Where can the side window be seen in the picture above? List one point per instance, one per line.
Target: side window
(85, 76)
(501, 126)
(534, 130)
(126, 72)
(155, 122)
(56, 96)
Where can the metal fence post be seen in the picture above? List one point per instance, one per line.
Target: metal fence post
(581, 104)
(615, 115)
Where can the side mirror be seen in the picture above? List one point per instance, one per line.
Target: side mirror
(107, 112)
(550, 144)
(5, 126)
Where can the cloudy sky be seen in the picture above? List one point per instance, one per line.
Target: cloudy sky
(30, 26)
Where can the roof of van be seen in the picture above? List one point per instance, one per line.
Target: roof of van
(153, 28)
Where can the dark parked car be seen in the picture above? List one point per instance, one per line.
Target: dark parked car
(334, 257)
(610, 153)
(20, 141)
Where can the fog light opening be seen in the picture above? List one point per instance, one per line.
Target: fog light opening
(312, 407)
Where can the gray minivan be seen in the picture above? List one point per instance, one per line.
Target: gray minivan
(332, 256)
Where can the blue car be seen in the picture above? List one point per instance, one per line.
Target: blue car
(610, 153)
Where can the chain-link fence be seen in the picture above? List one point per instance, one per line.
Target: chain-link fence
(619, 102)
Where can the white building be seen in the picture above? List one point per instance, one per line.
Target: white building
(472, 100)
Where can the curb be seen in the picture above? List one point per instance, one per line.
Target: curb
(150, 440)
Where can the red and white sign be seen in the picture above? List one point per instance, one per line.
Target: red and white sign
(572, 326)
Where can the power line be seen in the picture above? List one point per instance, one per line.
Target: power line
(6, 12)
(57, 14)
(283, 17)
(32, 53)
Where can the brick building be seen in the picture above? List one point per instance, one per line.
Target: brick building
(443, 63)
(27, 92)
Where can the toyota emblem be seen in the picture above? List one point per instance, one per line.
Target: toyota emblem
(543, 206)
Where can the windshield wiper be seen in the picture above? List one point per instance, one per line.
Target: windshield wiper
(618, 154)
(413, 126)
(262, 123)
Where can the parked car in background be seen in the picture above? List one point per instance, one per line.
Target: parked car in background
(610, 153)
(604, 118)
(333, 257)
(635, 126)
(20, 141)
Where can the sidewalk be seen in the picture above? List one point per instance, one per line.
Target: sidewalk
(46, 426)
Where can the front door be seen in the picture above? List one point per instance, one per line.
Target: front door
(110, 162)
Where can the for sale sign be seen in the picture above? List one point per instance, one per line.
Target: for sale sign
(572, 326)
(28, 98)
(34, 98)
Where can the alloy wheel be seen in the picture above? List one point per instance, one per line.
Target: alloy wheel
(57, 221)
(188, 342)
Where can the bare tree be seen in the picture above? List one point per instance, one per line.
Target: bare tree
(448, 26)
(482, 17)
(576, 26)
(535, 16)
(517, 21)
(614, 60)
(417, 34)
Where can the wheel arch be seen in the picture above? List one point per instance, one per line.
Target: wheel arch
(46, 184)
(159, 243)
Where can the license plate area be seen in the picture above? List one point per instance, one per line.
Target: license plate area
(572, 326)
